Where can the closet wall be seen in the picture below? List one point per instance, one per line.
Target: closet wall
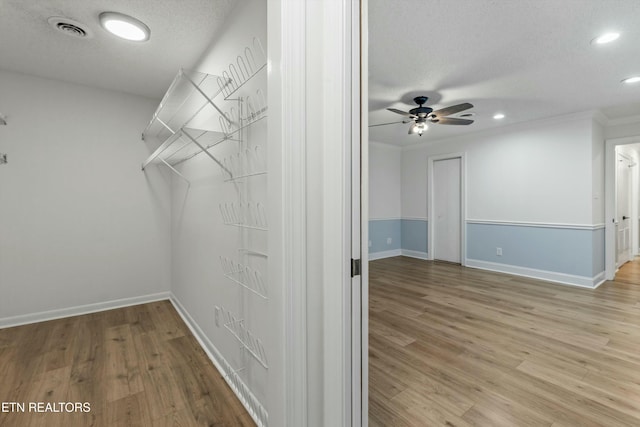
(82, 227)
(222, 227)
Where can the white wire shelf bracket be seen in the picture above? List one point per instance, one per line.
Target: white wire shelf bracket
(183, 103)
(231, 124)
(184, 140)
(247, 65)
(246, 215)
(254, 108)
(255, 408)
(182, 124)
(249, 175)
(222, 138)
(244, 276)
(250, 343)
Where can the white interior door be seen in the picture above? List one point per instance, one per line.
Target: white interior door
(623, 210)
(447, 209)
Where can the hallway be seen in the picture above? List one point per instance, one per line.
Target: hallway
(629, 272)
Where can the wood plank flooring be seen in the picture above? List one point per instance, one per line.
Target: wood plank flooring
(629, 272)
(135, 366)
(454, 346)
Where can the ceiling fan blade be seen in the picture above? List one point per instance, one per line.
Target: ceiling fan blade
(451, 121)
(390, 123)
(403, 113)
(447, 111)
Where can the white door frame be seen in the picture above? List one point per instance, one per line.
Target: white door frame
(610, 200)
(463, 204)
(314, 87)
(360, 78)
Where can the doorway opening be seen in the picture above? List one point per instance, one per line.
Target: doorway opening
(622, 203)
(626, 216)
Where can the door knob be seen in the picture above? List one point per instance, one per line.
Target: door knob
(625, 217)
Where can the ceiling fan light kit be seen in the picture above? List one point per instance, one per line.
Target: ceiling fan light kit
(418, 127)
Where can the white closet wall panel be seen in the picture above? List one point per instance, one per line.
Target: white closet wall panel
(221, 223)
(80, 224)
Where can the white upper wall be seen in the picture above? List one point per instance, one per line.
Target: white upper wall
(622, 130)
(81, 223)
(540, 172)
(414, 183)
(598, 143)
(385, 163)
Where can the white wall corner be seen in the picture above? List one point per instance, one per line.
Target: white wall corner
(384, 254)
(255, 409)
(414, 254)
(44, 316)
(600, 118)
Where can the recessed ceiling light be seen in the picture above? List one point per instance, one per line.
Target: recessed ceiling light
(605, 38)
(124, 26)
(634, 79)
(498, 116)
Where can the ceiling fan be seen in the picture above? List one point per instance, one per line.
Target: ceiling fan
(421, 115)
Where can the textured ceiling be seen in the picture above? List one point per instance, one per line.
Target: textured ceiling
(530, 59)
(180, 31)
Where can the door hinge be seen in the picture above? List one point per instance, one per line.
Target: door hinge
(355, 267)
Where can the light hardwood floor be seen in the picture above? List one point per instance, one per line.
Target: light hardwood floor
(135, 366)
(629, 272)
(454, 346)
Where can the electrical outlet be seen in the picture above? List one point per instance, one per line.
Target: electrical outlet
(217, 314)
(499, 251)
(388, 240)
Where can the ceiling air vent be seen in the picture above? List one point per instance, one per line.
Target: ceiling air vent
(70, 27)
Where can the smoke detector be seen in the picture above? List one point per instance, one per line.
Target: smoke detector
(70, 27)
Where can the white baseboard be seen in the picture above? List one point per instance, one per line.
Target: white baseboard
(549, 276)
(384, 254)
(44, 316)
(248, 399)
(414, 254)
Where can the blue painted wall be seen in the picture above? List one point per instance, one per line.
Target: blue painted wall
(561, 250)
(577, 252)
(414, 235)
(598, 251)
(410, 234)
(380, 230)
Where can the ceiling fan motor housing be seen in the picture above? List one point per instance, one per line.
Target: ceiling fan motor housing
(421, 111)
